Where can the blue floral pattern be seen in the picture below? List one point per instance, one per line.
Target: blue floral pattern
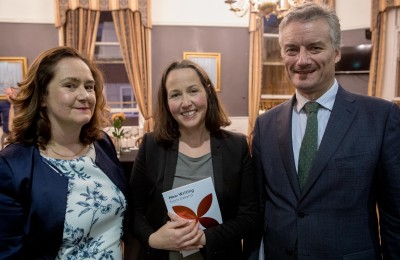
(95, 210)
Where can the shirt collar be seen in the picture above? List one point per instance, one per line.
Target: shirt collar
(326, 100)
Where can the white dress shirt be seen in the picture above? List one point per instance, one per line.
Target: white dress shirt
(299, 118)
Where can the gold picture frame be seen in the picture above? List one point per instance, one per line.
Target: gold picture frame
(12, 71)
(210, 62)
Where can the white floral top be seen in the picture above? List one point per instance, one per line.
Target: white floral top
(95, 209)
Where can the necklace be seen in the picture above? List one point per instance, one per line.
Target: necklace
(63, 155)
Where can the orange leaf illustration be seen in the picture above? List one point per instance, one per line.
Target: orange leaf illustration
(208, 222)
(184, 212)
(204, 205)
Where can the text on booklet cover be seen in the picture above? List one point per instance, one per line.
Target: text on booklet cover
(196, 201)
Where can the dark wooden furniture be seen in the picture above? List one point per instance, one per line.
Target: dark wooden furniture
(127, 159)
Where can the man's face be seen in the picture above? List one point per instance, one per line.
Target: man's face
(309, 57)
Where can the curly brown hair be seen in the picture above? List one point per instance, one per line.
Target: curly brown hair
(31, 124)
(166, 128)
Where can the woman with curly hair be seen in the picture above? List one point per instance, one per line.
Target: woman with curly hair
(62, 190)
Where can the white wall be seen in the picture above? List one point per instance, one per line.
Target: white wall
(27, 11)
(354, 14)
(181, 12)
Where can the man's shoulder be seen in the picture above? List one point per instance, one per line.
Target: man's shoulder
(284, 106)
(364, 100)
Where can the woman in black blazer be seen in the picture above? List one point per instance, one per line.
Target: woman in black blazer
(187, 145)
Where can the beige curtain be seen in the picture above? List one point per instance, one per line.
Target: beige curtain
(78, 21)
(379, 14)
(80, 30)
(134, 39)
(256, 31)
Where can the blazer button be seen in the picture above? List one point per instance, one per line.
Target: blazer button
(301, 214)
(289, 252)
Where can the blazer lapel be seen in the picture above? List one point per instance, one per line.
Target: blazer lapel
(217, 165)
(284, 130)
(171, 160)
(343, 113)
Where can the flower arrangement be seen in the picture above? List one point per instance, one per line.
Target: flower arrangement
(118, 121)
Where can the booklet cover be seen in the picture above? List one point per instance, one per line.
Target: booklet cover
(196, 201)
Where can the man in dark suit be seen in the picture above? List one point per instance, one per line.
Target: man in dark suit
(323, 205)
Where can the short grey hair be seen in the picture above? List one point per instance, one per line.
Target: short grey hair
(311, 12)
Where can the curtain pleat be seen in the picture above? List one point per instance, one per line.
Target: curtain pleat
(256, 31)
(379, 15)
(80, 30)
(62, 6)
(134, 39)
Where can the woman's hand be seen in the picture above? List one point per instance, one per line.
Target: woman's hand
(177, 235)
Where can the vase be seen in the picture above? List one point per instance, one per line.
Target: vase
(118, 146)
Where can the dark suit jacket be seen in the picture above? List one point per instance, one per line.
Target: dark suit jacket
(154, 172)
(33, 200)
(357, 165)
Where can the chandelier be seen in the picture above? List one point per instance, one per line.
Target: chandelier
(262, 7)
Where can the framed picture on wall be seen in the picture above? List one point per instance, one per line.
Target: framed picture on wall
(210, 62)
(12, 71)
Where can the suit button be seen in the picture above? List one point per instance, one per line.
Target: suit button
(289, 252)
(301, 214)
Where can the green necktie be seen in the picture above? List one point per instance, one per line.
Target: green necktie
(309, 145)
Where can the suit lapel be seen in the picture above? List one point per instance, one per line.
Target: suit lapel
(343, 113)
(284, 130)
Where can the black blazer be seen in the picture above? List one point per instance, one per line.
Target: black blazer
(154, 172)
(357, 165)
(33, 200)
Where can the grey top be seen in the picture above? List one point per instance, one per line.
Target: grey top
(189, 169)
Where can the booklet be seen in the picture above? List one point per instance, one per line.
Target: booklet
(196, 201)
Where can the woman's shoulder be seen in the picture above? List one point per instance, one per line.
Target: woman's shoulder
(17, 151)
(150, 139)
(229, 139)
(104, 141)
(17, 160)
(222, 133)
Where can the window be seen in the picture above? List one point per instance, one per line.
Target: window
(108, 55)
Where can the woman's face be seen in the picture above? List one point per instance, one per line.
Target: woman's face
(187, 99)
(70, 99)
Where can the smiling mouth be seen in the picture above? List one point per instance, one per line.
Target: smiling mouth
(304, 72)
(188, 113)
(83, 109)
